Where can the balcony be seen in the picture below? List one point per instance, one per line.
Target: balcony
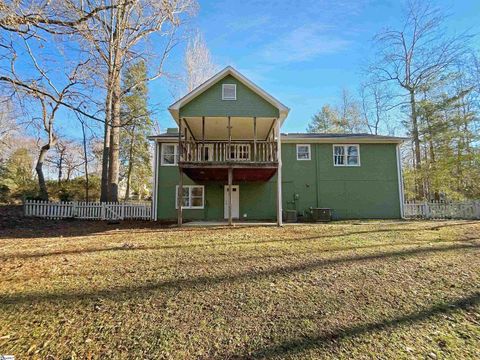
(228, 153)
(210, 160)
(211, 148)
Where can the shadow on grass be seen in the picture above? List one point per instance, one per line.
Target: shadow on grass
(213, 244)
(16, 226)
(201, 281)
(133, 247)
(331, 338)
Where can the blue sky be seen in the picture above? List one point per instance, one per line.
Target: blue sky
(302, 52)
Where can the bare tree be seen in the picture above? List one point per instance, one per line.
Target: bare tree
(349, 111)
(375, 106)
(199, 65)
(8, 125)
(48, 115)
(25, 29)
(113, 33)
(116, 39)
(413, 56)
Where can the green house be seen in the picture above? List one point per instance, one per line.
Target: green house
(229, 161)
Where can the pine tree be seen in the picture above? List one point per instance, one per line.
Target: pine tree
(134, 146)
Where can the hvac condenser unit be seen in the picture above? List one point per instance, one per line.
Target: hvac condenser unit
(321, 214)
(290, 216)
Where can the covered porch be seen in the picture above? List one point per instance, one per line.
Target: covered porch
(228, 140)
(229, 150)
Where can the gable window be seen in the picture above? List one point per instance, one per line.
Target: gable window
(193, 196)
(346, 155)
(169, 155)
(303, 152)
(229, 92)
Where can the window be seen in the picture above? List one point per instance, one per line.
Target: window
(193, 197)
(229, 92)
(346, 155)
(303, 152)
(169, 154)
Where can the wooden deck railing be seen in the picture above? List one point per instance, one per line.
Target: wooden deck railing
(224, 151)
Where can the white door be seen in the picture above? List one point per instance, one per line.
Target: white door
(235, 201)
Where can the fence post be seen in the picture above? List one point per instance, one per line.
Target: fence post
(476, 207)
(74, 209)
(427, 210)
(103, 211)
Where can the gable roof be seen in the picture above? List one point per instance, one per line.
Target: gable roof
(175, 107)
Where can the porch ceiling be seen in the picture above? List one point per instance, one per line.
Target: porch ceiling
(207, 174)
(242, 127)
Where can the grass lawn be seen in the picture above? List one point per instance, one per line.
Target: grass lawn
(341, 290)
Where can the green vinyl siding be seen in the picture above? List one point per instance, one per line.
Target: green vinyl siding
(257, 200)
(210, 103)
(366, 191)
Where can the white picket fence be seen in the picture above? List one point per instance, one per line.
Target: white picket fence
(442, 210)
(88, 210)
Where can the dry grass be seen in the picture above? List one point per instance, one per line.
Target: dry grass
(342, 290)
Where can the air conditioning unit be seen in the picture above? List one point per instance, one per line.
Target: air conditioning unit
(321, 214)
(291, 216)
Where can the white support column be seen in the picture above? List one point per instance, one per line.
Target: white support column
(279, 175)
(230, 180)
(400, 181)
(180, 173)
(155, 181)
(254, 138)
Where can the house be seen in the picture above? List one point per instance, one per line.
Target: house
(228, 160)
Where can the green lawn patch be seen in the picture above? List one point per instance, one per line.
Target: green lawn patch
(342, 290)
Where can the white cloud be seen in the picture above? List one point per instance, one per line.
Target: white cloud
(303, 43)
(253, 23)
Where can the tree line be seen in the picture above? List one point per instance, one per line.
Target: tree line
(423, 83)
(86, 65)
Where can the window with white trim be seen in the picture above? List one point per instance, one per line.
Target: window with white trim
(229, 92)
(346, 155)
(303, 152)
(193, 197)
(169, 155)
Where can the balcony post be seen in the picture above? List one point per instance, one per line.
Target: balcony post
(272, 143)
(279, 175)
(230, 179)
(202, 156)
(229, 139)
(254, 138)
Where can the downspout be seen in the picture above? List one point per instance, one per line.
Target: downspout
(317, 195)
(400, 181)
(155, 183)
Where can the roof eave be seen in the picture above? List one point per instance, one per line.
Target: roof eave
(174, 109)
(346, 139)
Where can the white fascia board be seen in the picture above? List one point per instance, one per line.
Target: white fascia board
(342, 140)
(174, 109)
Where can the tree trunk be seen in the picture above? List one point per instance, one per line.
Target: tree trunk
(60, 165)
(114, 160)
(43, 194)
(416, 144)
(130, 164)
(106, 145)
(85, 155)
